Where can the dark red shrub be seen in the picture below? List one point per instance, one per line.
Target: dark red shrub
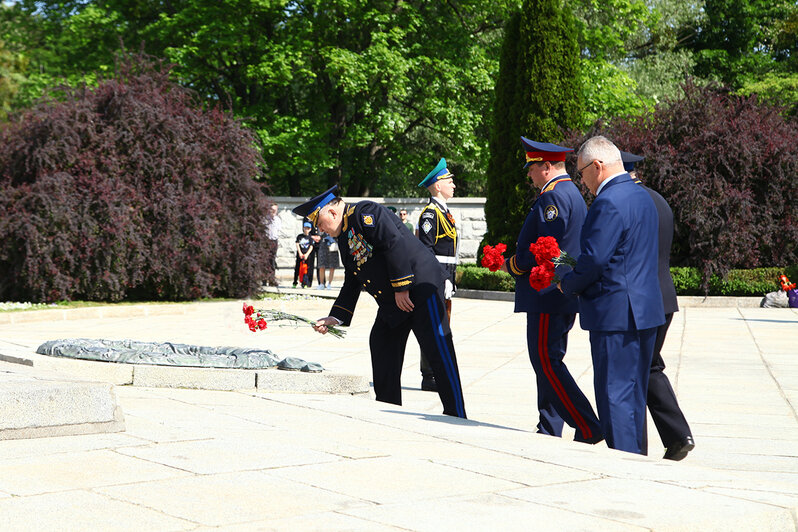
(728, 167)
(129, 190)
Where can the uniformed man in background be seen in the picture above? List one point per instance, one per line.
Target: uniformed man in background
(437, 231)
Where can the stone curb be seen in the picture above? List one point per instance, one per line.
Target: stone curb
(37, 408)
(152, 376)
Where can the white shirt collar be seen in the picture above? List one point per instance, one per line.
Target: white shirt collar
(607, 181)
(441, 203)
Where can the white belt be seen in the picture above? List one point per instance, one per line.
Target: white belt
(445, 259)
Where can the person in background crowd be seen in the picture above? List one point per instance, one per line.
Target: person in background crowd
(381, 257)
(661, 400)
(273, 226)
(620, 302)
(327, 261)
(403, 217)
(304, 250)
(559, 212)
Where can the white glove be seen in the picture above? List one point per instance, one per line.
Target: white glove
(448, 289)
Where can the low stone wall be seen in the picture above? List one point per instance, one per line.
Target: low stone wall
(469, 216)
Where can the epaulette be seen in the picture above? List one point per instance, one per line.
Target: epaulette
(553, 184)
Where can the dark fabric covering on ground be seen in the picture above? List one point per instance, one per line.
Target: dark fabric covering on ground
(171, 354)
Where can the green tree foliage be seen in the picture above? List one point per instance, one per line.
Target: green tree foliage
(739, 40)
(657, 58)
(12, 66)
(538, 91)
(606, 31)
(367, 94)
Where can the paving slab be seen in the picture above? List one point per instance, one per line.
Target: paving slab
(82, 510)
(231, 498)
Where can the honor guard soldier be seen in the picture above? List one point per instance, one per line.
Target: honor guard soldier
(558, 212)
(661, 400)
(437, 231)
(386, 260)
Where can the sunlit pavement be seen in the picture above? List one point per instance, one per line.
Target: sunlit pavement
(252, 460)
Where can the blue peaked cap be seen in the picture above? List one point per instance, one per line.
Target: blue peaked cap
(629, 160)
(438, 173)
(310, 209)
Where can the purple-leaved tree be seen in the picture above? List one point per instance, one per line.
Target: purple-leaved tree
(129, 190)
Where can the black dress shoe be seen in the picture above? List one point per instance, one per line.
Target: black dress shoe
(678, 450)
(428, 384)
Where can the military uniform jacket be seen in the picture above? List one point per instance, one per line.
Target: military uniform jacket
(616, 274)
(381, 257)
(437, 232)
(559, 211)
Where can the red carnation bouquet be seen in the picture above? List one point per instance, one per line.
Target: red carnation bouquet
(492, 257)
(792, 293)
(256, 320)
(548, 255)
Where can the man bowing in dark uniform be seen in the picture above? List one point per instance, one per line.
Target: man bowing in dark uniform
(661, 400)
(381, 256)
(620, 302)
(558, 212)
(437, 231)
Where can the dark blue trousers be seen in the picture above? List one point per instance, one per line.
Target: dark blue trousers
(621, 366)
(430, 324)
(559, 397)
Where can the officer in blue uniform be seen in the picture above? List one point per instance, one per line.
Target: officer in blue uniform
(386, 260)
(661, 400)
(437, 231)
(620, 302)
(559, 211)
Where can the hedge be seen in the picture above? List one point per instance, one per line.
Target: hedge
(754, 282)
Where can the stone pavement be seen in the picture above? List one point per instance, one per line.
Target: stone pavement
(250, 459)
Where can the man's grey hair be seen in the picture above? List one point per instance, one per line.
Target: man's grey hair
(599, 148)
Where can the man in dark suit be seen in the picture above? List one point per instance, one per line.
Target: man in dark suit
(661, 400)
(619, 298)
(386, 260)
(559, 212)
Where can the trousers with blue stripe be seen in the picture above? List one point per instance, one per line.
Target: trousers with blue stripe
(429, 323)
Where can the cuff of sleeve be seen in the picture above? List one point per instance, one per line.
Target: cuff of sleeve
(402, 283)
(513, 267)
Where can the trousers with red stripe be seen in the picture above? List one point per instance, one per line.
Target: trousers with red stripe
(559, 398)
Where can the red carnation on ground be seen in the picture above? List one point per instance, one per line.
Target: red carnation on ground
(492, 256)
